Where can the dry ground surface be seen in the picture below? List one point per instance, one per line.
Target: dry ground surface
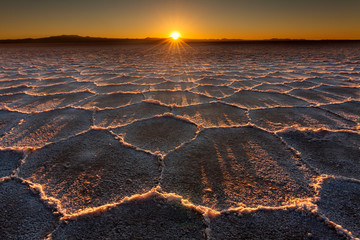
(201, 142)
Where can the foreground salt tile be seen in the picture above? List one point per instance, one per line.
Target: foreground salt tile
(9, 161)
(31, 104)
(11, 99)
(215, 81)
(61, 88)
(244, 84)
(316, 97)
(336, 153)
(254, 99)
(230, 167)
(17, 82)
(54, 81)
(22, 214)
(273, 87)
(213, 115)
(350, 110)
(276, 119)
(214, 91)
(150, 80)
(97, 75)
(8, 120)
(290, 73)
(335, 80)
(103, 81)
(340, 202)
(158, 134)
(14, 90)
(301, 84)
(271, 79)
(173, 86)
(52, 73)
(346, 92)
(46, 127)
(271, 224)
(124, 88)
(147, 218)
(177, 98)
(125, 115)
(90, 170)
(112, 100)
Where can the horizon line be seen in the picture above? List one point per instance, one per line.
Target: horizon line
(83, 39)
(72, 36)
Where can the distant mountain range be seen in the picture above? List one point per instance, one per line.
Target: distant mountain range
(75, 39)
(78, 39)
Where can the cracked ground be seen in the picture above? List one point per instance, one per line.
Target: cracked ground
(210, 142)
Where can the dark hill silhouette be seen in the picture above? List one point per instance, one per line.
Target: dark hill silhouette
(79, 39)
(76, 39)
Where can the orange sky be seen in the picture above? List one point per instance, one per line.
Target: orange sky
(241, 19)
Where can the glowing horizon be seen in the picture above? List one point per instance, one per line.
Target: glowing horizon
(198, 19)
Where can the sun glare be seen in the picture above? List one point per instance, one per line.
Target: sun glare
(175, 35)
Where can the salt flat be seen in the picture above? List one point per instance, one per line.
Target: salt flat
(209, 141)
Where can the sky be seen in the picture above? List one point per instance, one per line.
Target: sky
(204, 19)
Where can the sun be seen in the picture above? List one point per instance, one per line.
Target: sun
(175, 35)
